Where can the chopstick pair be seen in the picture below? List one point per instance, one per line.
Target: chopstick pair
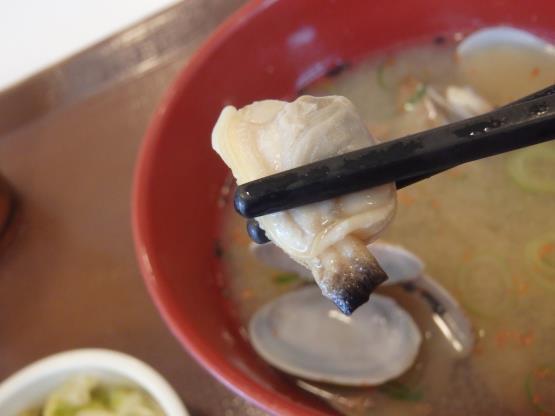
(528, 121)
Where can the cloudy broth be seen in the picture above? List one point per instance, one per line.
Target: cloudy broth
(485, 231)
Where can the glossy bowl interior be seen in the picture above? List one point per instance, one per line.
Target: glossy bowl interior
(268, 49)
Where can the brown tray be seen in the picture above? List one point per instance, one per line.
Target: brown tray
(68, 142)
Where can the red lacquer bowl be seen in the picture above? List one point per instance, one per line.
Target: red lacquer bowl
(268, 49)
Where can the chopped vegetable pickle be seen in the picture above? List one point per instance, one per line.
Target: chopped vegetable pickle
(85, 396)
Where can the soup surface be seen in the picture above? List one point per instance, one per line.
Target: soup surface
(485, 231)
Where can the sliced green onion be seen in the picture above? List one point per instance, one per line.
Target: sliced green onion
(540, 388)
(419, 93)
(484, 286)
(399, 391)
(533, 168)
(285, 278)
(540, 254)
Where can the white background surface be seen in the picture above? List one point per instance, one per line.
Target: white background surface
(37, 33)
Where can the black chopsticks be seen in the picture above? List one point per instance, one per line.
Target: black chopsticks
(404, 161)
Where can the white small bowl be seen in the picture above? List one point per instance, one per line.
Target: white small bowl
(30, 386)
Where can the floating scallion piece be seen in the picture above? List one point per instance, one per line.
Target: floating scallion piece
(380, 76)
(285, 278)
(533, 168)
(399, 391)
(540, 254)
(419, 93)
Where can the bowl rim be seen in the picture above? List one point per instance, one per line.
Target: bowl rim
(201, 351)
(213, 362)
(121, 364)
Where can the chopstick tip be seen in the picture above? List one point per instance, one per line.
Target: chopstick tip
(257, 234)
(241, 202)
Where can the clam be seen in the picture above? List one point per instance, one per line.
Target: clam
(303, 334)
(328, 237)
(504, 63)
(458, 103)
(402, 268)
(399, 264)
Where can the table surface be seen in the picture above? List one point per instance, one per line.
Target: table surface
(68, 143)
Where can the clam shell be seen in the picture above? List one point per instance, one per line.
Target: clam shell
(503, 63)
(303, 334)
(402, 267)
